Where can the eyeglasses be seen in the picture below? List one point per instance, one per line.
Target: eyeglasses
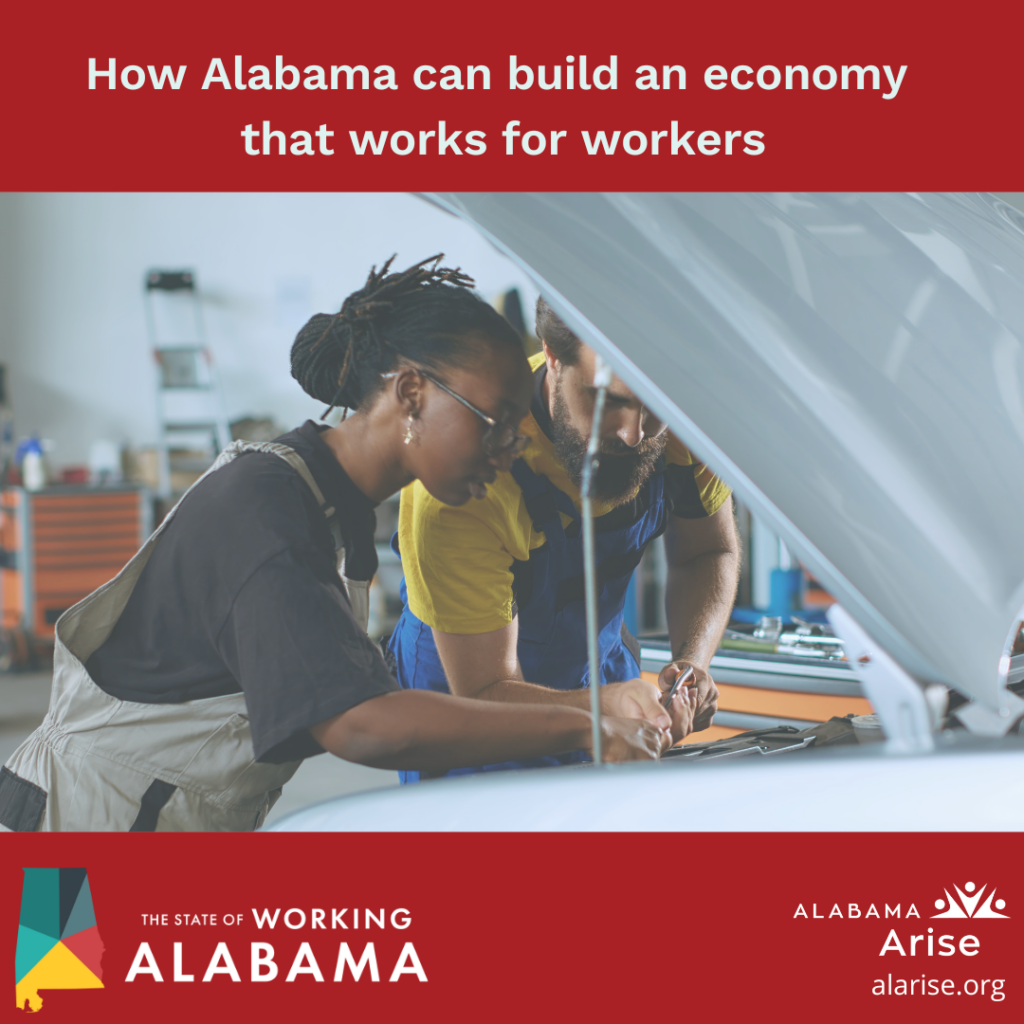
(499, 438)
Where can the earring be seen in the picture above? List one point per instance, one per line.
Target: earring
(409, 435)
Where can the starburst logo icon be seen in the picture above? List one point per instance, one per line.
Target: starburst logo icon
(970, 904)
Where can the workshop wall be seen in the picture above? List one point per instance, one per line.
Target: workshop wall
(72, 320)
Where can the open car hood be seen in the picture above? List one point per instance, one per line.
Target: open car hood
(850, 364)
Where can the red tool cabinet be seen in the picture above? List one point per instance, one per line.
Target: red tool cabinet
(60, 544)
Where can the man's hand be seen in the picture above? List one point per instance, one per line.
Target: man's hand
(632, 739)
(704, 687)
(683, 709)
(635, 698)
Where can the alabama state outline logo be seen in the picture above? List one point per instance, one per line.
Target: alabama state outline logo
(59, 944)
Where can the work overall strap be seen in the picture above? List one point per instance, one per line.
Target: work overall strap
(543, 503)
(296, 461)
(358, 590)
(551, 592)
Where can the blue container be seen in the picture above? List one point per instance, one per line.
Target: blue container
(786, 588)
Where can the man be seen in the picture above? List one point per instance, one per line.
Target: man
(494, 589)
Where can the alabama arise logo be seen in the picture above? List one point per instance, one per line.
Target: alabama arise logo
(972, 903)
(59, 944)
(968, 905)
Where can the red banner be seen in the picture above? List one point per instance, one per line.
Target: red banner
(528, 927)
(419, 97)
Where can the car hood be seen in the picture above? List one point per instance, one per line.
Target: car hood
(850, 364)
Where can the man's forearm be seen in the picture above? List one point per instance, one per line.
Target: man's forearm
(516, 691)
(699, 596)
(486, 668)
(416, 729)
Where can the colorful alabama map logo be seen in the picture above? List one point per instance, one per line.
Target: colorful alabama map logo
(59, 945)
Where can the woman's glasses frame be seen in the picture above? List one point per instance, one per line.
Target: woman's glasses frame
(499, 438)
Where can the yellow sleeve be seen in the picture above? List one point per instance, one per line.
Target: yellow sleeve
(458, 561)
(712, 490)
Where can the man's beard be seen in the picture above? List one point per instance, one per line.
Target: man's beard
(621, 469)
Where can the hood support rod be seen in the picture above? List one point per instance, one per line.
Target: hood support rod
(602, 378)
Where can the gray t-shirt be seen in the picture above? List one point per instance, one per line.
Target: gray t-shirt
(242, 594)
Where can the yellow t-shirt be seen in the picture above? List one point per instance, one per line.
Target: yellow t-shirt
(458, 561)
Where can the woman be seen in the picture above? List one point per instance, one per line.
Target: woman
(188, 689)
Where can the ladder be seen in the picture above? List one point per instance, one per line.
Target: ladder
(192, 418)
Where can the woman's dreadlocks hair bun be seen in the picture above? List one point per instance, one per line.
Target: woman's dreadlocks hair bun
(426, 315)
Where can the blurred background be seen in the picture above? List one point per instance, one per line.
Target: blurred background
(74, 331)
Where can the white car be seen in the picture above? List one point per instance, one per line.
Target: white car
(852, 366)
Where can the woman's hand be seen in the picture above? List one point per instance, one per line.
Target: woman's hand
(632, 739)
